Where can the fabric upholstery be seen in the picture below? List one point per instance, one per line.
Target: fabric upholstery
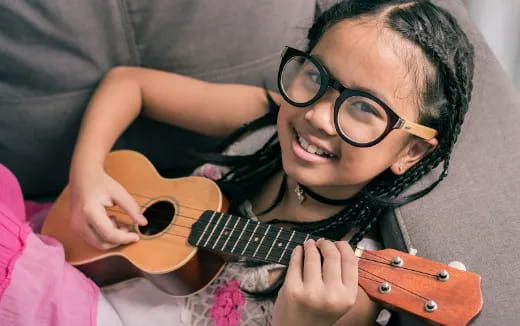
(53, 53)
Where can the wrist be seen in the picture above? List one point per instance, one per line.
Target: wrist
(85, 169)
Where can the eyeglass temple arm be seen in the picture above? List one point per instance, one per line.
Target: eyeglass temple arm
(416, 129)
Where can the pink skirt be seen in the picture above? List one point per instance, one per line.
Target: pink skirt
(37, 286)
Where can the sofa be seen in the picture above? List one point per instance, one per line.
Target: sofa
(53, 54)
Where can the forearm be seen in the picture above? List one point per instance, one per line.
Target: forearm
(208, 108)
(115, 104)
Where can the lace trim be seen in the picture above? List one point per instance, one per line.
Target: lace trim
(197, 309)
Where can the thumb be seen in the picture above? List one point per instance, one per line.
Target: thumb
(124, 200)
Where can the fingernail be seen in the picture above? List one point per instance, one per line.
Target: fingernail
(320, 239)
(309, 241)
(143, 219)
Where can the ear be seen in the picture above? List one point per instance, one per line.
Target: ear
(412, 153)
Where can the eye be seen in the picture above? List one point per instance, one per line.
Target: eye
(314, 76)
(365, 107)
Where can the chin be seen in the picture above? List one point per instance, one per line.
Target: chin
(304, 175)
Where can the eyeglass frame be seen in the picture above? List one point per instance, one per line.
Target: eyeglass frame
(394, 120)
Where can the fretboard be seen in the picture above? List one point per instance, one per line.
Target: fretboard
(244, 237)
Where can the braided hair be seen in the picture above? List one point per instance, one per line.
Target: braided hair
(443, 100)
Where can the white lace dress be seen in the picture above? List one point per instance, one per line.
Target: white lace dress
(139, 302)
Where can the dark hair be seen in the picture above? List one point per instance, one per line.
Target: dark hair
(443, 103)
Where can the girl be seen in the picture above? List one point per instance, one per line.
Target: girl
(375, 103)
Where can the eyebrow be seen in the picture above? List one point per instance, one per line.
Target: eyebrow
(353, 86)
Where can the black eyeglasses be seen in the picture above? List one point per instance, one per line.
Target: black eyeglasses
(360, 118)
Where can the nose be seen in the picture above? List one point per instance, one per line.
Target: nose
(320, 114)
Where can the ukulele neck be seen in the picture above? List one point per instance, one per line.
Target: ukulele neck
(244, 237)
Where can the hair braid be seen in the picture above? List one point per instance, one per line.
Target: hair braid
(446, 93)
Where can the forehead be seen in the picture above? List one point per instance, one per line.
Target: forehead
(362, 54)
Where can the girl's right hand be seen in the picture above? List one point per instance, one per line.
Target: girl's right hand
(90, 195)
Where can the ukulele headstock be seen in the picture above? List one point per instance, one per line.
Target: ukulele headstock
(434, 291)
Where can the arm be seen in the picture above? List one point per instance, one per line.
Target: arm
(124, 94)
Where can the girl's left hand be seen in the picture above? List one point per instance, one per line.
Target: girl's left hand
(316, 293)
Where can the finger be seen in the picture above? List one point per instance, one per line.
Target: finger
(123, 199)
(311, 263)
(80, 225)
(331, 269)
(122, 226)
(94, 240)
(294, 271)
(107, 231)
(88, 234)
(349, 264)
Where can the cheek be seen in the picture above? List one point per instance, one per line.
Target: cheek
(360, 165)
(285, 116)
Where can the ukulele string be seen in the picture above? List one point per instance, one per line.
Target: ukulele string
(196, 218)
(246, 232)
(382, 260)
(265, 249)
(382, 279)
(385, 262)
(158, 210)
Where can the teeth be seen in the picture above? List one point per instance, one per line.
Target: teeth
(303, 142)
(313, 149)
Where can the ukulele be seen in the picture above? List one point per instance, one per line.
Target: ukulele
(185, 214)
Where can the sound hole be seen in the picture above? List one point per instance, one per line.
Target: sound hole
(159, 216)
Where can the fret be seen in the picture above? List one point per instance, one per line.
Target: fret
(273, 244)
(286, 245)
(299, 238)
(221, 231)
(263, 237)
(205, 228)
(212, 231)
(250, 237)
(240, 236)
(230, 234)
(283, 239)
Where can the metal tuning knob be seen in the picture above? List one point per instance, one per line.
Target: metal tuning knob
(443, 275)
(430, 306)
(397, 261)
(385, 287)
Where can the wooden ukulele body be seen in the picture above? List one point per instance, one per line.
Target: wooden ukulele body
(163, 254)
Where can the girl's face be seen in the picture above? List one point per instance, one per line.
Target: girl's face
(360, 55)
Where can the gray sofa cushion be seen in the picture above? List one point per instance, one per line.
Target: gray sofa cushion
(53, 53)
(473, 216)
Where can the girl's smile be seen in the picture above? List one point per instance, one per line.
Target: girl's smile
(309, 149)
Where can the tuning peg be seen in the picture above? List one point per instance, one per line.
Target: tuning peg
(443, 275)
(397, 261)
